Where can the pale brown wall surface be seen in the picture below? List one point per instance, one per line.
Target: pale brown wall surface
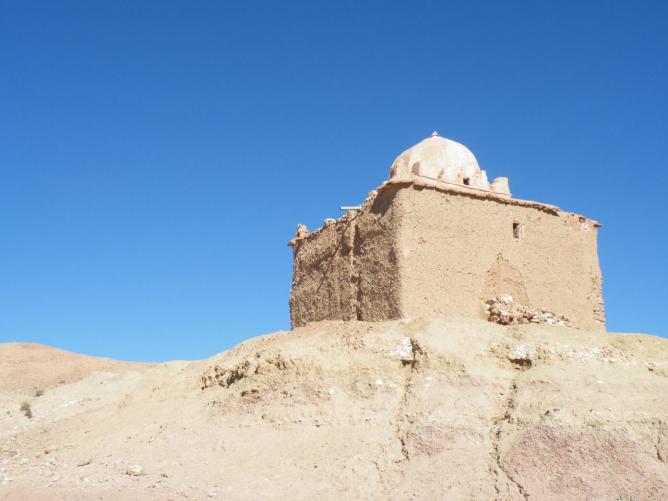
(456, 251)
(348, 270)
(423, 252)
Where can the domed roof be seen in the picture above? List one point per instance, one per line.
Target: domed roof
(443, 159)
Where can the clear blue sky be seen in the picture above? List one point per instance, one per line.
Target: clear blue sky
(155, 157)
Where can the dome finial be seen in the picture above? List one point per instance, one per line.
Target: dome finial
(434, 134)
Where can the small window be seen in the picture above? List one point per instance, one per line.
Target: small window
(518, 230)
(467, 181)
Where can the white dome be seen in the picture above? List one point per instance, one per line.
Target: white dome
(440, 158)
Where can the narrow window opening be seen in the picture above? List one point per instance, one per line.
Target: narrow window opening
(518, 231)
(467, 181)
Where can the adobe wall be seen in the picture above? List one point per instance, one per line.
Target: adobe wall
(416, 250)
(347, 270)
(457, 250)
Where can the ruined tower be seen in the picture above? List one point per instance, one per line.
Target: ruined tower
(437, 239)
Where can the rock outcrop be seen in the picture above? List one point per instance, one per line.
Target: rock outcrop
(457, 409)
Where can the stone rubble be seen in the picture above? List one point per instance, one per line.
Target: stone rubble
(504, 310)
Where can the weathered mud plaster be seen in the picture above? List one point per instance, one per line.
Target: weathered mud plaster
(441, 246)
(348, 270)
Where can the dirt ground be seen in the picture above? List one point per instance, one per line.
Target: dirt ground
(420, 409)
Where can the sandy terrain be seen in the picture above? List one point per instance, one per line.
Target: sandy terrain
(393, 410)
(28, 367)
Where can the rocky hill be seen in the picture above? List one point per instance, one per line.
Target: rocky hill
(395, 410)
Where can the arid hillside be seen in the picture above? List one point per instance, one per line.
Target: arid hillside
(455, 409)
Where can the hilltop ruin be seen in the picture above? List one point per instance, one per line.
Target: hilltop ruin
(437, 239)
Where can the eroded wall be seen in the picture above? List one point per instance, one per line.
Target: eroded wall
(417, 251)
(348, 270)
(456, 251)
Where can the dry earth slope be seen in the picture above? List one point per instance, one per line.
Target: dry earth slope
(436, 409)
